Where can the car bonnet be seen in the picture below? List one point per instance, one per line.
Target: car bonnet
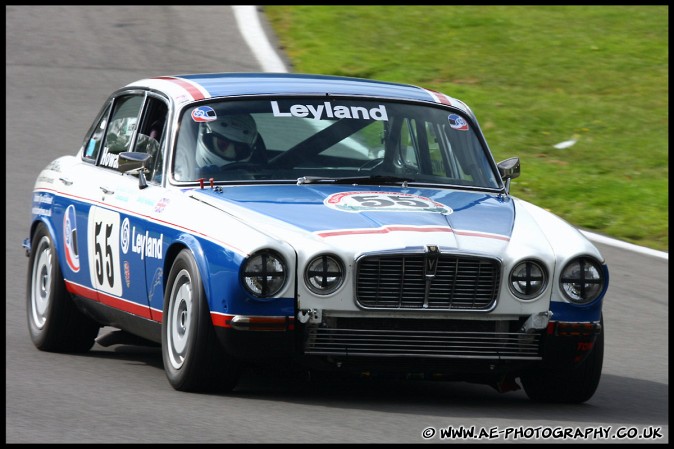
(371, 217)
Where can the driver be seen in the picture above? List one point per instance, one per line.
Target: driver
(226, 140)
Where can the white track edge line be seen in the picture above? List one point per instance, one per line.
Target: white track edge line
(251, 29)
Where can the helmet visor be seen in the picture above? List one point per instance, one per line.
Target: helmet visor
(228, 149)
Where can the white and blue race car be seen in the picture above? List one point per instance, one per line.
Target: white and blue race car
(337, 224)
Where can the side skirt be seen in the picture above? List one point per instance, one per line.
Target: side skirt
(108, 316)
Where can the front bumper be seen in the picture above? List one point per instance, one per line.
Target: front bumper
(432, 347)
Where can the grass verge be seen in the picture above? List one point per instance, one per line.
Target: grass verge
(535, 76)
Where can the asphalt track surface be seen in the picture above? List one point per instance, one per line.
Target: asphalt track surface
(61, 64)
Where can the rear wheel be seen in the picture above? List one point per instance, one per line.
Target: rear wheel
(193, 358)
(574, 384)
(54, 322)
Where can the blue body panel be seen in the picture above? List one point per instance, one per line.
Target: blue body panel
(219, 84)
(474, 211)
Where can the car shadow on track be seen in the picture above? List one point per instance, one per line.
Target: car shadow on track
(618, 399)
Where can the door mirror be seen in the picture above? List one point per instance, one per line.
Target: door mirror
(509, 168)
(129, 161)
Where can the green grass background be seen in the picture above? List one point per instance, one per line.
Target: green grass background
(534, 76)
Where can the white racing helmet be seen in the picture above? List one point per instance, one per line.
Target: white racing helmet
(225, 140)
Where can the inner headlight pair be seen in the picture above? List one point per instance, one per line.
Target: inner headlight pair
(528, 279)
(264, 274)
(581, 281)
(324, 274)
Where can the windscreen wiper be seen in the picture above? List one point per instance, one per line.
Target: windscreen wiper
(376, 179)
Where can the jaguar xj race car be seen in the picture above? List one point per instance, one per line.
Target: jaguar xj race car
(335, 224)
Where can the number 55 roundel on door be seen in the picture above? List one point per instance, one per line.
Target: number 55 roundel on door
(103, 250)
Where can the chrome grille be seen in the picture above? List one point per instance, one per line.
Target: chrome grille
(400, 282)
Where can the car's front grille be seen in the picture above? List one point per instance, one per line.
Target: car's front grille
(402, 282)
(432, 339)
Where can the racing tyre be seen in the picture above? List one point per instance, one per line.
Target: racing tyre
(193, 358)
(54, 322)
(572, 385)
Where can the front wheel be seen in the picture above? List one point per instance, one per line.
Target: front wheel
(54, 322)
(193, 358)
(573, 384)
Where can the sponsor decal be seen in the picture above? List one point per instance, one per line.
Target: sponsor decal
(457, 122)
(384, 202)
(156, 282)
(204, 114)
(41, 211)
(45, 179)
(125, 235)
(182, 98)
(109, 159)
(161, 204)
(147, 246)
(127, 273)
(122, 195)
(145, 201)
(43, 198)
(329, 111)
(54, 166)
(42, 203)
(70, 239)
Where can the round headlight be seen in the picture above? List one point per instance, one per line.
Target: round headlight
(582, 280)
(528, 279)
(264, 273)
(324, 274)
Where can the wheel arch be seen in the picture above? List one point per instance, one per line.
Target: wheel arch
(186, 241)
(52, 235)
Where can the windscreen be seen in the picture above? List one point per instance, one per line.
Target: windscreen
(285, 139)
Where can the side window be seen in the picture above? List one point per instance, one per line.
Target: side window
(472, 162)
(151, 136)
(92, 144)
(121, 129)
(408, 144)
(435, 153)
